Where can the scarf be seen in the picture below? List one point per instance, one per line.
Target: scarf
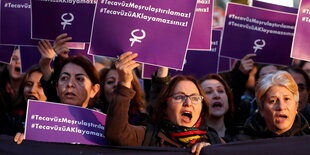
(184, 135)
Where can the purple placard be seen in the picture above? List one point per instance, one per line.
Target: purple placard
(201, 32)
(6, 53)
(148, 70)
(29, 56)
(55, 122)
(157, 30)
(301, 46)
(81, 52)
(224, 64)
(72, 17)
(274, 7)
(15, 28)
(265, 32)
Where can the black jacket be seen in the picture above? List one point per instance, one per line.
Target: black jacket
(255, 128)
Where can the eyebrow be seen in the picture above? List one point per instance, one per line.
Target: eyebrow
(185, 94)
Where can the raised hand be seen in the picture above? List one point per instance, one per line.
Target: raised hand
(125, 65)
(247, 63)
(60, 45)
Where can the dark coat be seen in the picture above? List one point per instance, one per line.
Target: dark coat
(255, 128)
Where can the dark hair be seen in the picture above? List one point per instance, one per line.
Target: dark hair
(21, 103)
(161, 104)
(87, 66)
(229, 115)
(138, 101)
(261, 66)
(302, 63)
(303, 73)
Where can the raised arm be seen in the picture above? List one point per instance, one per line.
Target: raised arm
(47, 55)
(118, 131)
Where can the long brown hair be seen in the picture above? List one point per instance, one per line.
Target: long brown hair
(229, 115)
(161, 104)
(138, 101)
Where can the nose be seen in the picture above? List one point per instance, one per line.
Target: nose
(187, 101)
(281, 105)
(216, 95)
(70, 83)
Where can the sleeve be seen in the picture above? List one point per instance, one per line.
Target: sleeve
(117, 130)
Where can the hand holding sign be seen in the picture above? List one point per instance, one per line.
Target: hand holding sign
(60, 45)
(124, 66)
(247, 63)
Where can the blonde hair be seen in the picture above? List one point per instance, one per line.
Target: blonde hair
(279, 78)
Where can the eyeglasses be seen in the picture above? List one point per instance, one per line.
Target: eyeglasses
(181, 98)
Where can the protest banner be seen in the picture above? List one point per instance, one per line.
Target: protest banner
(30, 55)
(55, 122)
(276, 7)
(71, 16)
(224, 65)
(265, 32)
(6, 53)
(15, 23)
(157, 30)
(300, 47)
(198, 63)
(201, 36)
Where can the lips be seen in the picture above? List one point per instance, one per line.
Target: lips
(281, 117)
(217, 105)
(70, 94)
(31, 97)
(17, 69)
(186, 116)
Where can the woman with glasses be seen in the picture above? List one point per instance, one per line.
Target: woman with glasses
(179, 119)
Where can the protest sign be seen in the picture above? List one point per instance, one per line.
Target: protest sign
(224, 65)
(71, 16)
(198, 63)
(157, 30)
(6, 53)
(55, 122)
(264, 32)
(271, 6)
(15, 23)
(301, 46)
(29, 56)
(202, 28)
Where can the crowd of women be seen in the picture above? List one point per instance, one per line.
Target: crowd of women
(252, 101)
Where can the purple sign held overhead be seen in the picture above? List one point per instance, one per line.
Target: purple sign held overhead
(55, 122)
(6, 53)
(29, 56)
(157, 30)
(201, 32)
(224, 64)
(72, 17)
(15, 23)
(274, 7)
(264, 32)
(301, 46)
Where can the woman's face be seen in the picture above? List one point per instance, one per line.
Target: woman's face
(302, 89)
(14, 66)
(279, 109)
(110, 84)
(33, 89)
(74, 86)
(184, 113)
(216, 96)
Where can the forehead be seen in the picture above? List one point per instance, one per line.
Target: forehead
(278, 91)
(73, 69)
(112, 74)
(34, 76)
(268, 69)
(187, 87)
(307, 66)
(211, 83)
